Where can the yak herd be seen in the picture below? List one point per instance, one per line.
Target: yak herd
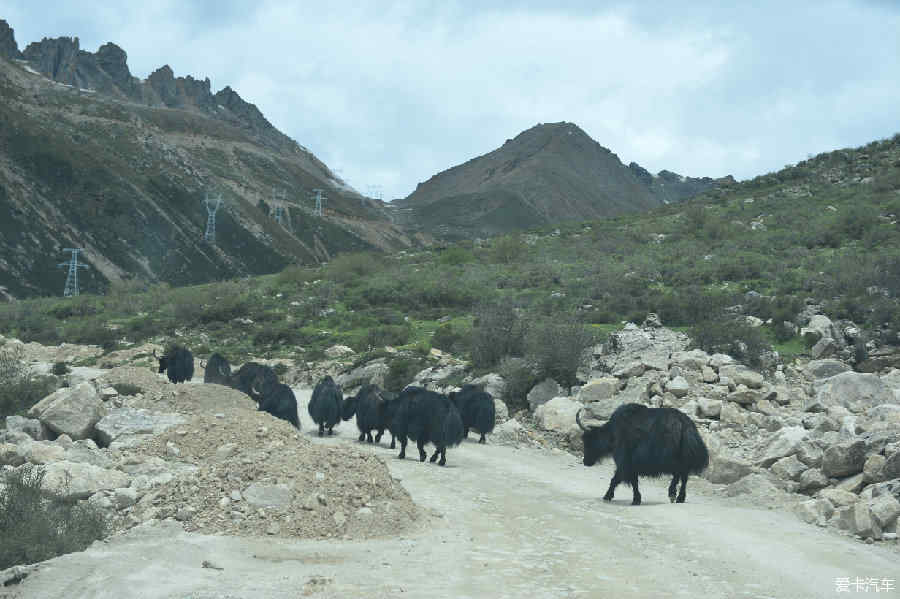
(642, 441)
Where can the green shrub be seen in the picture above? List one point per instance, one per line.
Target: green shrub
(402, 370)
(556, 348)
(19, 390)
(508, 249)
(350, 267)
(519, 377)
(127, 389)
(730, 335)
(385, 335)
(36, 527)
(449, 338)
(60, 369)
(497, 331)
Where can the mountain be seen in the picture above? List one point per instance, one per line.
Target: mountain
(93, 157)
(553, 172)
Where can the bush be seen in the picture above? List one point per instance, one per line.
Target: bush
(730, 335)
(556, 348)
(60, 369)
(385, 335)
(18, 389)
(127, 389)
(449, 338)
(349, 267)
(497, 332)
(402, 371)
(519, 377)
(35, 527)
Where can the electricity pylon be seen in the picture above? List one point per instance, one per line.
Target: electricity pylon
(71, 288)
(212, 206)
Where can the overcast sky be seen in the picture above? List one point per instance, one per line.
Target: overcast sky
(390, 93)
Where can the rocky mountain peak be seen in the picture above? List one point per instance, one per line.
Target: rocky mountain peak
(8, 46)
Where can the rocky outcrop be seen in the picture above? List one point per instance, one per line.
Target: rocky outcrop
(8, 46)
(70, 411)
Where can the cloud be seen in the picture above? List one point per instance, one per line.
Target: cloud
(392, 93)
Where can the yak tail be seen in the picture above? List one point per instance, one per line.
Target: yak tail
(485, 417)
(452, 428)
(693, 450)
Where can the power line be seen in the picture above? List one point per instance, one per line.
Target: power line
(211, 208)
(320, 200)
(71, 288)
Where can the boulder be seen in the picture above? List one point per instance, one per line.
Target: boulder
(131, 421)
(557, 415)
(339, 351)
(41, 452)
(810, 454)
(73, 480)
(823, 369)
(857, 519)
(30, 426)
(844, 459)
(695, 359)
(884, 510)
(629, 370)
(822, 326)
(873, 469)
(789, 468)
(492, 383)
(543, 392)
(508, 433)
(601, 389)
(855, 391)
(10, 455)
(263, 495)
(839, 497)
(824, 348)
(752, 484)
(717, 361)
(72, 411)
(782, 444)
(501, 412)
(741, 375)
(811, 481)
(744, 396)
(708, 375)
(885, 417)
(814, 511)
(370, 373)
(678, 386)
(709, 408)
(724, 469)
(891, 467)
(854, 483)
(732, 414)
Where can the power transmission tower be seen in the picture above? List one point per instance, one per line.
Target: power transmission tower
(320, 198)
(279, 213)
(71, 288)
(212, 206)
(374, 192)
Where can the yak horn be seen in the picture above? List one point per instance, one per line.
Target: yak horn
(578, 420)
(202, 365)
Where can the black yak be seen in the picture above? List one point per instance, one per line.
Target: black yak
(432, 418)
(253, 375)
(325, 405)
(217, 370)
(177, 362)
(278, 400)
(476, 408)
(395, 411)
(646, 442)
(367, 406)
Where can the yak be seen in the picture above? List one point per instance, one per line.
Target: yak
(253, 375)
(646, 442)
(476, 407)
(177, 362)
(432, 418)
(217, 370)
(395, 411)
(277, 399)
(367, 406)
(325, 405)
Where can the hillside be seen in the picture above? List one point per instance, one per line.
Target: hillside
(93, 157)
(551, 173)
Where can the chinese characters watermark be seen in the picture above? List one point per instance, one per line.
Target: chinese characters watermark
(865, 585)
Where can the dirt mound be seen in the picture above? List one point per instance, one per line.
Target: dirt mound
(258, 475)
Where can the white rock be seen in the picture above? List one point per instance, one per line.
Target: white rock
(558, 414)
(543, 392)
(73, 411)
(74, 480)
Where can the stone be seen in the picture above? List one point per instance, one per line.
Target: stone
(73, 480)
(883, 417)
(884, 510)
(823, 369)
(708, 375)
(783, 444)
(492, 383)
(744, 396)
(725, 469)
(543, 392)
(509, 432)
(601, 389)
(557, 415)
(678, 386)
(121, 422)
(873, 468)
(601, 410)
(855, 391)
(891, 467)
(709, 408)
(824, 348)
(821, 325)
(717, 361)
(814, 511)
(41, 452)
(789, 468)
(652, 321)
(185, 514)
(695, 359)
(108, 393)
(857, 519)
(753, 483)
(501, 412)
(854, 483)
(370, 373)
(124, 497)
(72, 410)
(811, 481)
(839, 497)
(265, 495)
(10, 456)
(225, 451)
(30, 426)
(844, 459)
(339, 351)
(810, 454)
(733, 415)
(632, 369)
(339, 519)
(741, 375)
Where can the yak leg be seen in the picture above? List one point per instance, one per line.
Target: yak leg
(673, 486)
(321, 430)
(393, 439)
(362, 437)
(466, 432)
(683, 492)
(636, 496)
(421, 447)
(443, 461)
(369, 437)
(616, 479)
(437, 451)
(378, 436)
(330, 430)
(481, 440)
(402, 455)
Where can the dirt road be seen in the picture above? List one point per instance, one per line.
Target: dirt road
(503, 522)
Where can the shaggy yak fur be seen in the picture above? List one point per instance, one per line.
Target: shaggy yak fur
(253, 375)
(278, 400)
(476, 407)
(325, 406)
(367, 406)
(218, 370)
(177, 362)
(396, 416)
(432, 418)
(646, 442)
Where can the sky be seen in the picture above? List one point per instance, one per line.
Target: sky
(388, 94)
